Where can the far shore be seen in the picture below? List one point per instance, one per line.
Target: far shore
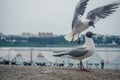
(56, 46)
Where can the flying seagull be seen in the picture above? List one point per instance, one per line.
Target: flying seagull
(81, 52)
(79, 24)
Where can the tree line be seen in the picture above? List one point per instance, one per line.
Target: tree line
(59, 41)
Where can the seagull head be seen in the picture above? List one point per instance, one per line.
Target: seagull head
(91, 23)
(90, 34)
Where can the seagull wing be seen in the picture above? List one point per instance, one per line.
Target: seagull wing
(78, 52)
(79, 10)
(81, 6)
(103, 11)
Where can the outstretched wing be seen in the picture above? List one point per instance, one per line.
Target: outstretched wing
(79, 10)
(103, 11)
(81, 6)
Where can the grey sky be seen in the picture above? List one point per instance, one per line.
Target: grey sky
(17, 16)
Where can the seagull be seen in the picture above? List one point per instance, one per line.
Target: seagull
(80, 23)
(81, 52)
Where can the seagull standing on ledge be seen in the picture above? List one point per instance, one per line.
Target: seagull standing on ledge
(79, 24)
(81, 52)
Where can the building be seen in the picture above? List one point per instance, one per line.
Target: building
(42, 34)
(28, 35)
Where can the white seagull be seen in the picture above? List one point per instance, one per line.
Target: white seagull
(81, 52)
(79, 24)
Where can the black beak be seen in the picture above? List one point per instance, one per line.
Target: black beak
(93, 26)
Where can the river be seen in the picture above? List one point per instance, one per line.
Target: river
(111, 56)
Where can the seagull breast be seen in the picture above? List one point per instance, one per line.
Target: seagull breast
(79, 27)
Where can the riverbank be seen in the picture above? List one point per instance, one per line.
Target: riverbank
(10, 72)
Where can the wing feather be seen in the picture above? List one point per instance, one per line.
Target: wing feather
(78, 52)
(81, 6)
(103, 11)
(79, 10)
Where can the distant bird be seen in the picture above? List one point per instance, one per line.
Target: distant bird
(79, 24)
(81, 52)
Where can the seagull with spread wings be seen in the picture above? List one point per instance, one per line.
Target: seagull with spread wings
(79, 24)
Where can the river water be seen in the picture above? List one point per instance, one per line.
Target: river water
(111, 56)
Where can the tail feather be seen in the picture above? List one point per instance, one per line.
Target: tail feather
(59, 55)
(69, 37)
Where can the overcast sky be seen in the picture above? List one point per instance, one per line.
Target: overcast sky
(17, 16)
